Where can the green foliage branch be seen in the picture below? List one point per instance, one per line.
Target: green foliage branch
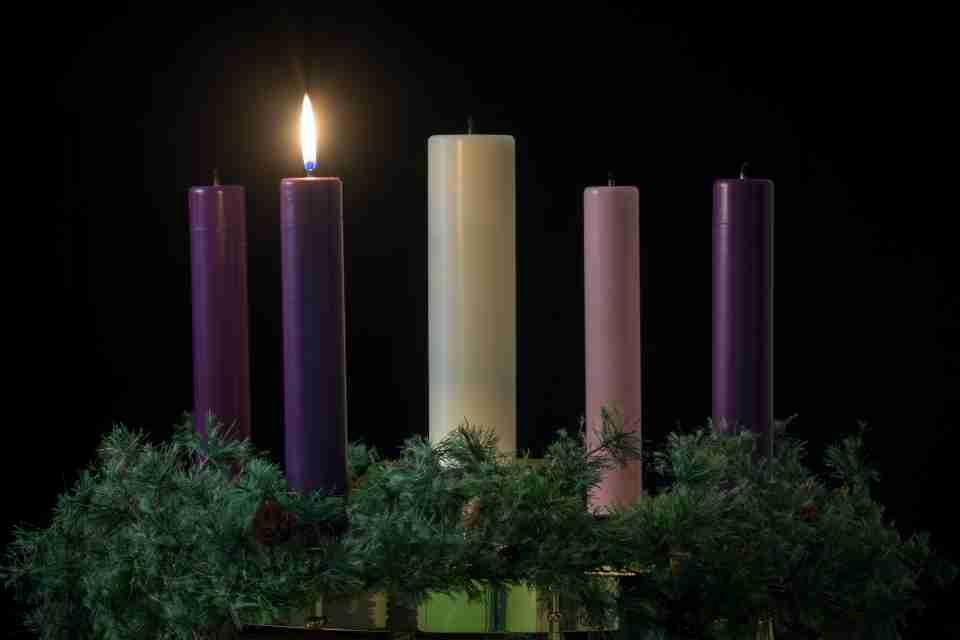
(192, 539)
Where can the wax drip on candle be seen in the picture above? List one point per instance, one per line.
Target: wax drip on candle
(469, 124)
(743, 170)
(216, 178)
(610, 180)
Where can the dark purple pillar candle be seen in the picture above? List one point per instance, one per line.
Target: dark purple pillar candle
(314, 354)
(218, 265)
(743, 307)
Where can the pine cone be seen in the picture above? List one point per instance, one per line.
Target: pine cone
(471, 513)
(677, 560)
(271, 524)
(357, 481)
(508, 552)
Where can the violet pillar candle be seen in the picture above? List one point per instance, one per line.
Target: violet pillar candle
(314, 341)
(611, 270)
(218, 284)
(743, 307)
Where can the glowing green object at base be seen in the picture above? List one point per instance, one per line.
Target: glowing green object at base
(516, 609)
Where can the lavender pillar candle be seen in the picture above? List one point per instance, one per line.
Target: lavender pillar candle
(218, 267)
(611, 269)
(743, 307)
(314, 357)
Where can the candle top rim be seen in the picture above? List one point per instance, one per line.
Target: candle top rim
(747, 179)
(201, 188)
(312, 179)
(607, 187)
(456, 136)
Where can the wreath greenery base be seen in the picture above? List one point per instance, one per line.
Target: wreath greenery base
(188, 540)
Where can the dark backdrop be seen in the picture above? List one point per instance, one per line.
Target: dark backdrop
(127, 109)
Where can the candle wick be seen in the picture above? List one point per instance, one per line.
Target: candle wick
(469, 124)
(216, 178)
(610, 180)
(743, 170)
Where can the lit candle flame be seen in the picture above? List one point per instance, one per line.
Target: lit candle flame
(308, 135)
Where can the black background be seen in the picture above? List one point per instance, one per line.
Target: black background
(124, 110)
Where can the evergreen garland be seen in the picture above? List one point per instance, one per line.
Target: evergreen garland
(159, 542)
(194, 540)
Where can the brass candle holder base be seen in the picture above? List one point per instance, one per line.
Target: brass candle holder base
(497, 612)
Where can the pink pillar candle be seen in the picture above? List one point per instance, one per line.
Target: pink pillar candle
(611, 269)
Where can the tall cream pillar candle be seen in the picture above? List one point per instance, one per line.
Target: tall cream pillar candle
(472, 319)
